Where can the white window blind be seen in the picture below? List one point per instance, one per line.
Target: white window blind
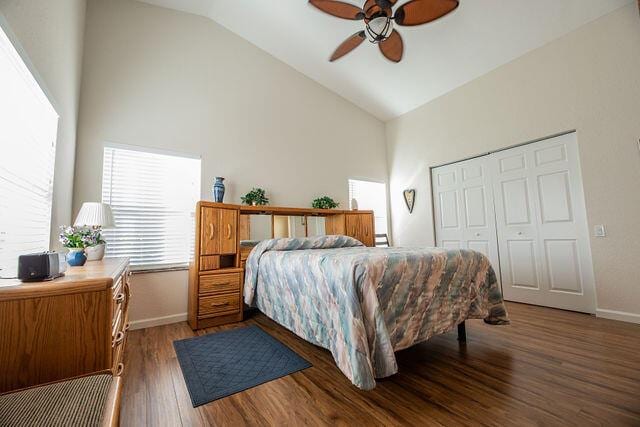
(153, 197)
(371, 196)
(28, 130)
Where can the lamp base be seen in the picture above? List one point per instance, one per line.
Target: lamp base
(95, 253)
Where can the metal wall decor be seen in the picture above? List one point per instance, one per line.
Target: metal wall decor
(409, 198)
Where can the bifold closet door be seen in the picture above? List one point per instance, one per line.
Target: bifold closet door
(542, 227)
(463, 208)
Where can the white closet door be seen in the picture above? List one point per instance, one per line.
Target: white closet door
(542, 228)
(463, 208)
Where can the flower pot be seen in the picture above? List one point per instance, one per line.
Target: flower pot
(95, 253)
(76, 257)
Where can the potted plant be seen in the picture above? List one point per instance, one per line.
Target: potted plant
(324, 202)
(255, 197)
(75, 239)
(94, 244)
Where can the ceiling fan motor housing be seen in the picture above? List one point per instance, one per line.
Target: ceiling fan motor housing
(379, 28)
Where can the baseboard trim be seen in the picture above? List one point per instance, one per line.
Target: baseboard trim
(618, 315)
(157, 321)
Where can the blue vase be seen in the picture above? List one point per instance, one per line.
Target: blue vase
(218, 190)
(76, 257)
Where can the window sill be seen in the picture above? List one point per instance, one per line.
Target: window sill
(146, 270)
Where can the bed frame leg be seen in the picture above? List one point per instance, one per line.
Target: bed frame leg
(462, 332)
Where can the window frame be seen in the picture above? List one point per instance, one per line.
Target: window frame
(155, 268)
(33, 74)
(386, 202)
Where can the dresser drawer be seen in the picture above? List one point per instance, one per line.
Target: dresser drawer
(219, 283)
(218, 304)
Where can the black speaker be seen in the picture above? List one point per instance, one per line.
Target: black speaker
(40, 267)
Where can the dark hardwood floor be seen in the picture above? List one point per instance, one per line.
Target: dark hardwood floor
(549, 367)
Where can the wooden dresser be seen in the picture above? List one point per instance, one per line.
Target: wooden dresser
(64, 328)
(216, 275)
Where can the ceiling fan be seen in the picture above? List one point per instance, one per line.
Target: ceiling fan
(379, 19)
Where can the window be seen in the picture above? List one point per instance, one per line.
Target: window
(28, 131)
(371, 196)
(153, 197)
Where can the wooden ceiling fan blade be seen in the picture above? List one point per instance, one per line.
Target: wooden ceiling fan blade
(339, 9)
(382, 4)
(348, 45)
(393, 47)
(372, 7)
(418, 12)
(385, 4)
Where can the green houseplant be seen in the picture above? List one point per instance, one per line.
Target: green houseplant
(324, 202)
(76, 239)
(255, 197)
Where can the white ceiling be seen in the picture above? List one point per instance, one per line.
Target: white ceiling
(478, 37)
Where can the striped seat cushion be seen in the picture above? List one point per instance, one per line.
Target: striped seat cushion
(77, 402)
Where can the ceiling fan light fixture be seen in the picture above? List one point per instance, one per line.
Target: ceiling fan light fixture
(379, 29)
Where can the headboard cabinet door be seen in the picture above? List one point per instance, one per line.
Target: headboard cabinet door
(360, 226)
(209, 231)
(218, 231)
(228, 231)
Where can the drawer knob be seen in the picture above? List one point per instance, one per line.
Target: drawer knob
(219, 304)
(118, 339)
(119, 369)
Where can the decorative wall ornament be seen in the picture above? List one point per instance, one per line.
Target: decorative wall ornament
(409, 198)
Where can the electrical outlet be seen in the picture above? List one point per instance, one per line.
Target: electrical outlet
(599, 231)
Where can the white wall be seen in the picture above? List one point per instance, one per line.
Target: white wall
(588, 80)
(164, 79)
(51, 33)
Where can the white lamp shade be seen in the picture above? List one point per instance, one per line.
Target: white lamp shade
(95, 214)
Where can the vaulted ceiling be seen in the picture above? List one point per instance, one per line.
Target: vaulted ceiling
(476, 38)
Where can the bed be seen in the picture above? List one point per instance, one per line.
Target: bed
(363, 304)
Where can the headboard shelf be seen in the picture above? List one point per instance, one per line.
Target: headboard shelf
(281, 210)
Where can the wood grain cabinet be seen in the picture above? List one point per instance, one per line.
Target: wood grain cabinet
(360, 226)
(215, 276)
(71, 326)
(218, 236)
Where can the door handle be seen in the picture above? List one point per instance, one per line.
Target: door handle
(210, 231)
(228, 231)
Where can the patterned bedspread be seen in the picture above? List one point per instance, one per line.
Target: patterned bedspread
(363, 304)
